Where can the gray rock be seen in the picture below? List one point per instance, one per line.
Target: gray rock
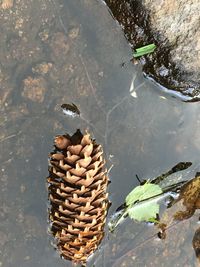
(173, 25)
(179, 22)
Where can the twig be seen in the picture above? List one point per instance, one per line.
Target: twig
(9, 137)
(59, 17)
(90, 82)
(92, 125)
(108, 117)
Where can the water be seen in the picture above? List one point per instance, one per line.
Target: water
(72, 52)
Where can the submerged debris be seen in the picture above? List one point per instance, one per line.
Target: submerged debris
(7, 4)
(70, 110)
(34, 89)
(190, 195)
(77, 193)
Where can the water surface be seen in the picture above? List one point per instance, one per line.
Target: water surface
(55, 52)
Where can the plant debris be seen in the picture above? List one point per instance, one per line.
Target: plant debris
(144, 50)
(70, 110)
(190, 197)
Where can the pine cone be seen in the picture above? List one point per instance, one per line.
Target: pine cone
(77, 193)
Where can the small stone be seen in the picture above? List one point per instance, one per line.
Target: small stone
(20, 217)
(74, 32)
(100, 74)
(4, 94)
(6, 4)
(20, 33)
(44, 35)
(42, 68)
(19, 23)
(22, 188)
(59, 45)
(3, 238)
(34, 89)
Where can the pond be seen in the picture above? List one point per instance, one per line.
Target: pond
(54, 52)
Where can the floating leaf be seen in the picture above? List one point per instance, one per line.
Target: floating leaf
(144, 211)
(147, 49)
(141, 203)
(142, 192)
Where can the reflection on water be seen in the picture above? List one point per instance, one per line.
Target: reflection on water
(71, 52)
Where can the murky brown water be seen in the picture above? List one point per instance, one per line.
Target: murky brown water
(72, 51)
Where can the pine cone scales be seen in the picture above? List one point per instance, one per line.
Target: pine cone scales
(77, 193)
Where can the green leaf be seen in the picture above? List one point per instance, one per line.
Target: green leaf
(144, 211)
(142, 203)
(143, 192)
(140, 206)
(147, 49)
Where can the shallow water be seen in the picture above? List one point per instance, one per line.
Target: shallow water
(82, 50)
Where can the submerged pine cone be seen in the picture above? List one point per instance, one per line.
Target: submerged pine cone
(77, 192)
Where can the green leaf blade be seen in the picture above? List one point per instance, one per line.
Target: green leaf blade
(144, 212)
(144, 50)
(143, 192)
(140, 205)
